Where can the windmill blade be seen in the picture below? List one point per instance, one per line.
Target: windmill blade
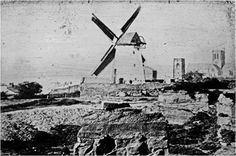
(130, 20)
(103, 27)
(111, 47)
(106, 60)
(143, 59)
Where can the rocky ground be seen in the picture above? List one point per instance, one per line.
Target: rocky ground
(171, 122)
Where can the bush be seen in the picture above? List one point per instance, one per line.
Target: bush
(201, 86)
(28, 89)
(3, 96)
(193, 76)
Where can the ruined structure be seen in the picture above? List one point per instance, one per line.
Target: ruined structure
(178, 68)
(218, 67)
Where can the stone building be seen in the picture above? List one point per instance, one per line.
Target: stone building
(150, 74)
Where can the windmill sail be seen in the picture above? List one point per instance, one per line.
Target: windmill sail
(110, 54)
(103, 27)
(107, 58)
(130, 20)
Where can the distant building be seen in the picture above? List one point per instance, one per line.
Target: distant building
(218, 62)
(178, 68)
(150, 74)
(218, 67)
(9, 91)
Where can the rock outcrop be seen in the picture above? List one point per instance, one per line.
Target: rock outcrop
(129, 124)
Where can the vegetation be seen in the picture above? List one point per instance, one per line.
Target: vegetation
(28, 90)
(39, 103)
(3, 96)
(194, 82)
(196, 79)
(193, 76)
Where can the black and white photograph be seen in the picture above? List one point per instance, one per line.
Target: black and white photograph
(118, 77)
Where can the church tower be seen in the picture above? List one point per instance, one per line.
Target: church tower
(218, 58)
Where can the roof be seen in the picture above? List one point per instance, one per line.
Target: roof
(147, 67)
(130, 38)
(13, 89)
(7, 90)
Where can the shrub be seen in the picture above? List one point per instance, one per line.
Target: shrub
(3, 96)
(28, 89)
(193, 76)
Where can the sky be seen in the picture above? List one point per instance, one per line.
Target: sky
(46, 39)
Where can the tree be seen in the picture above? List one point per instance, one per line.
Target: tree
(29, 89)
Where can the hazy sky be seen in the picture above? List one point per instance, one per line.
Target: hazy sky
(51, 39)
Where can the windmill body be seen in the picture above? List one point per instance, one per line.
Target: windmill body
(124, 55)
(128, 63)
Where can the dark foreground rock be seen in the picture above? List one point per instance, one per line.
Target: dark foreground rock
(128, 131)
(197, 136)
(191, 129)
(109, 106)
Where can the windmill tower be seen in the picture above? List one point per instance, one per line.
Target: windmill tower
(129, 68)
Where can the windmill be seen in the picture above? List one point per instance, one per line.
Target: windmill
(130, 43)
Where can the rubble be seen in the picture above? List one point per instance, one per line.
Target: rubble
(171, 121)
(201, 97)
(170, 98)
(225, 108)
(24, 131)
(197, 136)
